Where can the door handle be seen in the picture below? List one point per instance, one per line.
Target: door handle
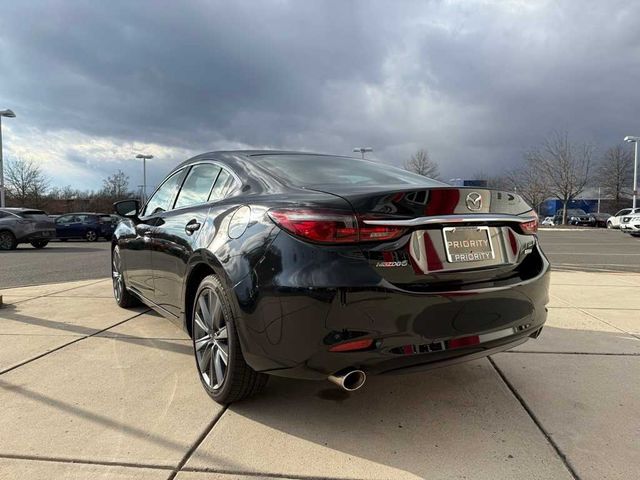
(192, 226)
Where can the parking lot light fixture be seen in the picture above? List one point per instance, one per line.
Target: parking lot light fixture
(362, 150)
(144, 158)
(9, 114)
(630, 139)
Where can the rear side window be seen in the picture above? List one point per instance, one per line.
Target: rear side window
(31, 214)
(313, 170)
(162, 200)
(198, 184)
(224, 185)
(3, 215)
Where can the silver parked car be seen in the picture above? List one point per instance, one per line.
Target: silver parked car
(25, 225)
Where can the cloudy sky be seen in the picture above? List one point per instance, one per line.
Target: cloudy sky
(475, 82)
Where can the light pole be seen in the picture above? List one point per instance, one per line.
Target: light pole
(363, 150)
(8, 114)
(144, 174)
(635, 140)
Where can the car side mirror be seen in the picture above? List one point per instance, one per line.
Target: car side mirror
(128, 208)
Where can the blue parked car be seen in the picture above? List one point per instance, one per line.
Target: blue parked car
(90, 226)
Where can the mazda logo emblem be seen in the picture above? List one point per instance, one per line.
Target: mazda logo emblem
(474, 201)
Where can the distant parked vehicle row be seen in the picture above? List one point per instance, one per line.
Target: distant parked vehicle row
(25, 225)
(90, 226)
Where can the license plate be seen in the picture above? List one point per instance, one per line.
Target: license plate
(468, 244)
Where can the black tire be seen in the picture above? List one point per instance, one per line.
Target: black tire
(123, 297)
(7, 240)
(217, 337)
(39, 243)
(91, 236)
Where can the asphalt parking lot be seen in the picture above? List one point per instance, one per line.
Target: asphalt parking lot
(591, 249)
(57, 262)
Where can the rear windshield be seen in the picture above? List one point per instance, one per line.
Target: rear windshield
(314, 170)
(30, 213)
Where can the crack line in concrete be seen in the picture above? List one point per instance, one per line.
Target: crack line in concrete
(105, 463)
(537, 422)
(197, 443)
(79, 339)
(266, 475)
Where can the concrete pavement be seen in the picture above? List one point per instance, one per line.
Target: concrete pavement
(88, 390)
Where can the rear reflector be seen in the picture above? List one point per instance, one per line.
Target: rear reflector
(353, 345)
(331, 226)
(464, 341)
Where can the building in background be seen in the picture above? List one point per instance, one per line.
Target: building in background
(460, 182)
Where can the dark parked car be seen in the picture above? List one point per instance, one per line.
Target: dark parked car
(25, 225)
(90, 226)
(598, 219)
(324, 267)
(571, 213)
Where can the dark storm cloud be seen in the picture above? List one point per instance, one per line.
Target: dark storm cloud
(475, 82)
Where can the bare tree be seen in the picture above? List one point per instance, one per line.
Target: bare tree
(615, 173)
(530, 181)
(26, 183)
(421, 163)
(565, 166)
(116, 185)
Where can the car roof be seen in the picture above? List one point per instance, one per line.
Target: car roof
(247, 154)
(20, 209)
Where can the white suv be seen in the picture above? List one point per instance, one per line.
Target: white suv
(631, 223)
(616, 220)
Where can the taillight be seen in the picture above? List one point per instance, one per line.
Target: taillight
(530, 227)
(331, 226)
(353, 345)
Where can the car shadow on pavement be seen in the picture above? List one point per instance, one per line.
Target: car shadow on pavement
(9, 313)
(102, 420)
(420, 423)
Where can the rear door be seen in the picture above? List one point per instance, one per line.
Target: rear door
(175, 235)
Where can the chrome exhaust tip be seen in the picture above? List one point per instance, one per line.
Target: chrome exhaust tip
(350, 381)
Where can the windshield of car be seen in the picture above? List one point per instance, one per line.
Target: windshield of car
(312, 170)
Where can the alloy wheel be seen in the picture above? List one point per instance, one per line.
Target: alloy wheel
(6, 241)
(91, 236)
(116, 275)
(211, 339)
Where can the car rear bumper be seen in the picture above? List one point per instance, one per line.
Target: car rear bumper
(630, 227)
(39, 235)
(290, 317)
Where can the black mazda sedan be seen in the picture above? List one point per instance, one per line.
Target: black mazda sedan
(325, 267)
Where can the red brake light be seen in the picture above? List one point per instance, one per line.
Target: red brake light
(529, 228)
(464, 341)
(352, 345)
(331, 226)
